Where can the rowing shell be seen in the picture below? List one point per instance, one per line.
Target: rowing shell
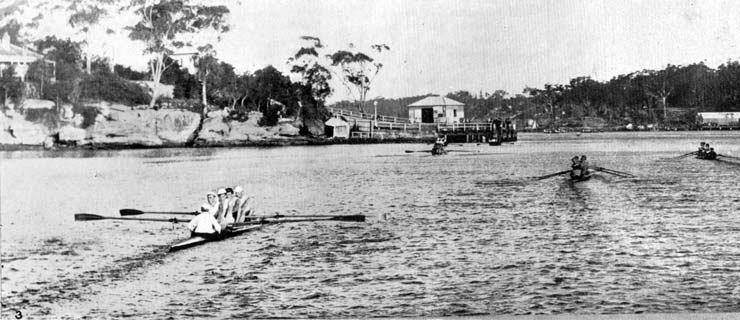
(580, 178)
(196, 241)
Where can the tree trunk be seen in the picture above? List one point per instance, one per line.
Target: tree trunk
(88, 64)
(665, 110)
(157, 67)
(203, 90)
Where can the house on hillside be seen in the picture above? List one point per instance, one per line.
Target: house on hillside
(718, 118)
(19, 57)
(436, 109)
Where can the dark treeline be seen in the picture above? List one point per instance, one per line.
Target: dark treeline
(669, 97)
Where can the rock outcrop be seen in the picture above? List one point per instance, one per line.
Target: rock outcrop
(17, 131)
(144, 127)
(217, 130)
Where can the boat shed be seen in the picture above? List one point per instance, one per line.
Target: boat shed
(436, 109)
(336, 128)
(718, 118)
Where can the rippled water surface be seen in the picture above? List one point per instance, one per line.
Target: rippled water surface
(460, 234)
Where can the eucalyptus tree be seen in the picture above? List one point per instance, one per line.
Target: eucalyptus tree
(358, 70)
(205, 63)
(85, 17)
(165, 25)
(306, 64)
(660, 85)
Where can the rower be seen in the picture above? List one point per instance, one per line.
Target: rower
(231, 209)
(222, 204)
(439, 145)
(243, 204)
(212, 202)
(204, 224)
(575, 167)
(227, 208)
(584, 166)
(711, 155)
(701, 147)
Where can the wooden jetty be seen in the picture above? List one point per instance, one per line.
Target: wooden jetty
(368, 126)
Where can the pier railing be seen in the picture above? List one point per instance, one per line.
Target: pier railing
(367, 116)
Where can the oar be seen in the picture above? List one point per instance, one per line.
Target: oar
(338, 217)
(551, 175)
(615, 172)
(463, 150)
(90, 217)
(686, 155)
(351, 218)
(412, 151)
(136, 212)
(731, 157)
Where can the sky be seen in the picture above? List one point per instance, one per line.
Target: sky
(441, 46)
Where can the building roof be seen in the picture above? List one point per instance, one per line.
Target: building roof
(334, 122)
(434, 101)
(12, 53)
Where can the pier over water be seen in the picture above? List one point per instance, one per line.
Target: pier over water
(370, 126)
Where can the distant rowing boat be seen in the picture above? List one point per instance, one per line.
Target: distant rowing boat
(196, 241)
(706, 156)
(579, 178)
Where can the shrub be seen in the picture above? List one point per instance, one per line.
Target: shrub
(47, 117)
(88, 115)
(239, 115)
(271, 116)
(181, 104)
(112, 88)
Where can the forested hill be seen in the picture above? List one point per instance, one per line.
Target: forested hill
(671, 96)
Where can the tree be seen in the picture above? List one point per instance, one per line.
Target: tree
(224, 89)
(660, 86)
(164, 25)
(305, 63)
(86, 14)
(358, 71)
(67, 56)
(205, 62)
(11, 85)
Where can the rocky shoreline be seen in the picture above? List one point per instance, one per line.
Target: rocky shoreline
(124, 127)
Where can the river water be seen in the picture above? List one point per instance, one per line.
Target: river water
(461, 234)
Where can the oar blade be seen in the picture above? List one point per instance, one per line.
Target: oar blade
(350, 218)
(412, 151)
(130, 212)
(87, 217)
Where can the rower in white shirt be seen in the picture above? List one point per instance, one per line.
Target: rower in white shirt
(204, 224)
(212, 202)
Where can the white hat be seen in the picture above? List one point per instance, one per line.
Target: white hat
(238, 189)
(221, 191)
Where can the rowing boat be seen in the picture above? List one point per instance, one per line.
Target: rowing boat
(575, 176)
(707, 156)
(196, 241)
(579, 179)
